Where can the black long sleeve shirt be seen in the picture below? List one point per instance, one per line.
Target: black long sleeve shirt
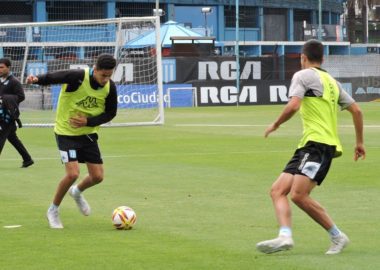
(11, 94)
(74, 79)
(12, 86)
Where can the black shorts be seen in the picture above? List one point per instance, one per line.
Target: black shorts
(83, 148)
(313, 160)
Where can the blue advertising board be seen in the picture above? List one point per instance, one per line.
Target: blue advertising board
(145, 96)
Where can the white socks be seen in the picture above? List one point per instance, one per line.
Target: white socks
(53, 207)
(75, 191)
(285, 232)
(334, 231)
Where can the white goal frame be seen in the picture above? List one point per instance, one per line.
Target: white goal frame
(117, 43)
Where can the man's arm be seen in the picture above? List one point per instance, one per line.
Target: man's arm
(108, 114)
(71, 76)
(18, 90)
(290, 109)
(357, 118)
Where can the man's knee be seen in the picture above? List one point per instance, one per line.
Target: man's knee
(97, 178)
(72, 175)
(298, 198)
(277, 191)
(274, 193)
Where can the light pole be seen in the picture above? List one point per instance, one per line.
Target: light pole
(320, 20)
(366, 21)
(237, 48)
(206, 11)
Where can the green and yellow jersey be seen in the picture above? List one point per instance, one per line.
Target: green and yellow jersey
(321, 98)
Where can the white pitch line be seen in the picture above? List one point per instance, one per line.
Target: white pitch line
(200, 153)
(247, 125)
(167, 154)
(177, 154)
(11, 226)
(365, 126)
(218, 125)
(290, 150)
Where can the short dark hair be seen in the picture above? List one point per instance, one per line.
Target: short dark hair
(313, 49)
(105, 61)
(5, 61)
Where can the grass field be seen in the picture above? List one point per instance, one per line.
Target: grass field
(199, 185)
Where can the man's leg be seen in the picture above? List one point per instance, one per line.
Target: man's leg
(94, 177)
(4, 132)
(280, 189)
(300, 194)
(19, 146)
(72, 174)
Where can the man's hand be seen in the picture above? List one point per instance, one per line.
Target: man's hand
(78, 121)
(290, 109)
(359, 152)
(270, 129)
(31, 79)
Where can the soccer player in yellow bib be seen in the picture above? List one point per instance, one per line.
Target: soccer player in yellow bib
(88, 98)
(318, 96)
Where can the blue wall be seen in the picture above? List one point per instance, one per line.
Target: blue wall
(105, 33)
(248, 34)
(194, 16)
(189, 11)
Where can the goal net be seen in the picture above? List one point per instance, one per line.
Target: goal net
(37, 48)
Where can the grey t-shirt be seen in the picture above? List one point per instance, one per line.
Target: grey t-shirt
(309, 79)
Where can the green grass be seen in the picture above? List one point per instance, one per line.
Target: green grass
(200, 193)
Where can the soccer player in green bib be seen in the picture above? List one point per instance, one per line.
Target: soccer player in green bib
(318, 96)
(88, 98)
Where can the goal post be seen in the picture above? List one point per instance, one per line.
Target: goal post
(36, 48)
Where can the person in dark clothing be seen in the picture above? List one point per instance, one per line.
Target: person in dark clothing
(11, 95)
(88, 98)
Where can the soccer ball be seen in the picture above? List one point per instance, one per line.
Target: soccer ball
(123, 218)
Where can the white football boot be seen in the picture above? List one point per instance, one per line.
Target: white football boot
(338, 244)
(82, 204)
(274, 245)
(53, 218)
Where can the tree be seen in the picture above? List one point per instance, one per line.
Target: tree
(351, 17)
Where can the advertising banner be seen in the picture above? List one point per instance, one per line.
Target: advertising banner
(190, 69)
(211, 81)
(146, 96)
(225, 93)
(362, 89)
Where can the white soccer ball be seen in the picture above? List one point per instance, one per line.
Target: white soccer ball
(123, 218)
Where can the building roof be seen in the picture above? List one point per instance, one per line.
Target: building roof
(168, 30)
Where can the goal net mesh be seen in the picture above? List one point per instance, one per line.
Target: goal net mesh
(38, 48)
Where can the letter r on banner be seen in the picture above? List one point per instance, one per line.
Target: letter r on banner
(278, 91)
